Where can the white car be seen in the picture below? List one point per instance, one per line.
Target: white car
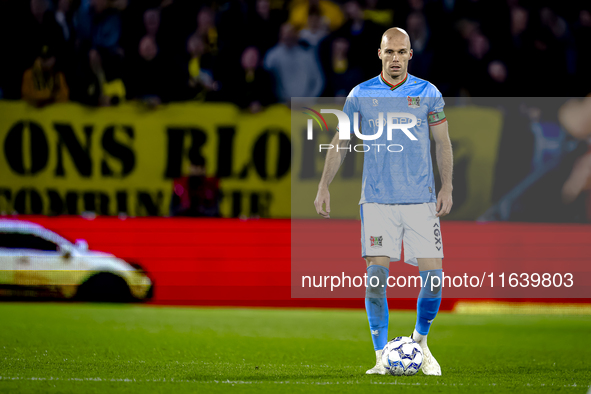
(35, 261)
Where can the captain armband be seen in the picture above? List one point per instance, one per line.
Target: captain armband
(435, 118)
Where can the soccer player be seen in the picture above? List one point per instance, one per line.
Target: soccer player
(398, 200)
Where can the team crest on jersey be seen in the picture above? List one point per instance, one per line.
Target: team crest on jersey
(376, 242)
(375, 102)
(413, 102)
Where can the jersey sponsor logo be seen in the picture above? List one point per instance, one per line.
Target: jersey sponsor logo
(437, 233)
(413, 102)
(376, 242)
(375, 102)
(381, 122)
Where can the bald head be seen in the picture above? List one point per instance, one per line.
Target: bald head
(395, 52)
(395, 35)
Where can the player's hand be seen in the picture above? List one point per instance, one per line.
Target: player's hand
(323, 198)
(444, 202)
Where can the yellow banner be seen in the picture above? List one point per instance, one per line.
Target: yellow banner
(69, 159)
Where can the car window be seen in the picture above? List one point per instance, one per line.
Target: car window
(25, 241)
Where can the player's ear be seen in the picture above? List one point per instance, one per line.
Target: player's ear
(410, 52)
(380, 53)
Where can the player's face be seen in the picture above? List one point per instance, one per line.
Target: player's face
(395, 54)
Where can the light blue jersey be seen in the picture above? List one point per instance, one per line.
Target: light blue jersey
(396, 170)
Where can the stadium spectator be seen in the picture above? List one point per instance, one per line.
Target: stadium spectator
(316, 30)
(341, 75)
(152, 22)
(229, 18)
(298, 17)
(98, 30)
(296, 70)
(207, 30)
(420, 36)
(263, 26)
(145, 80)
(43, 25)
(497, 71)
(98, 26)
(360, 34)
(39, 28)
(553, 39)
(519, 60)
(42, 83)
(519, 26)
(199, 67)
(475, 64)
(255, 84)
(379, 15)
(582, 37)
(63, 17)
(560, 40)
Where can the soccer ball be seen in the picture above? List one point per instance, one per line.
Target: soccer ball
(402, 356)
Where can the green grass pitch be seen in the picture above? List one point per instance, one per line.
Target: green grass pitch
(102, 348)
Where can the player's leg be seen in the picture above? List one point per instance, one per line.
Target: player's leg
(428, 304)
(429, 298)
(381, 243)
(423, 246)
(376, 306)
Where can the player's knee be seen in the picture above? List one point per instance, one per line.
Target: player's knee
(377, 281)
(435, 287)
(434, 284)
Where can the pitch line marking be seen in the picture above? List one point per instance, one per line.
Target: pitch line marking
(233, 382)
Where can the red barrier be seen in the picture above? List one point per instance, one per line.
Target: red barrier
(198, 261)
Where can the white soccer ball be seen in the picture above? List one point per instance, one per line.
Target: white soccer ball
(402, 356)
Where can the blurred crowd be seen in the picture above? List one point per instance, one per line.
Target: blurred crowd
(258, 52)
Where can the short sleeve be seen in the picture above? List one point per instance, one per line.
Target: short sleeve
(351, 106)
(436, 114)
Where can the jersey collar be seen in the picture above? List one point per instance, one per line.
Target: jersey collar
(393, 87)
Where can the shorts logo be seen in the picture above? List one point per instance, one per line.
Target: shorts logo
(414, 102)
(375, 102)
(437, 234)
(376, 242)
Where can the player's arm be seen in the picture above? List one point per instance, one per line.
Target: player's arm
(575, 117)
(334, 159)
(444, 156)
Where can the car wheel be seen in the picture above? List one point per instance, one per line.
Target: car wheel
(104, 287)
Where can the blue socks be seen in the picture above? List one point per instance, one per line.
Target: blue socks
(429, 300)
(376, 304)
